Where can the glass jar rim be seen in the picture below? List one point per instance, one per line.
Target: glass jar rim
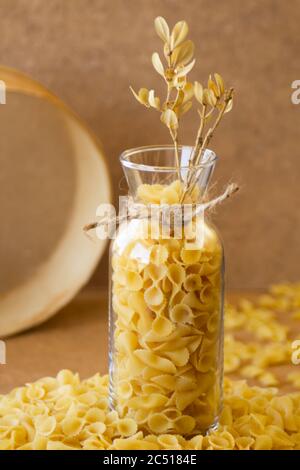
(125, 158)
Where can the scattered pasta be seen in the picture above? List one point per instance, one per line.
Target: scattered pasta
(65, 413)
(50, 414)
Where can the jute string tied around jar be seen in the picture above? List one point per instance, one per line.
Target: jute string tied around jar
(143, 211)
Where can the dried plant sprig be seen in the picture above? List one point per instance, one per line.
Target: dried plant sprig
(213, 101)
(178, 54)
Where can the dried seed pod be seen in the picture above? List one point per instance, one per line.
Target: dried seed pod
(179, 33)
(213, 87)
(198, 91)
(153, 100)
(169, 118)
(162, 28)
(220, 83)
(183, 54)
(157, 64)
(141, 96)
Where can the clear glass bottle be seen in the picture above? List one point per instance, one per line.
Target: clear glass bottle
(166, 305)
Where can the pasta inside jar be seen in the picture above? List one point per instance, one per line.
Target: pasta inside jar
(166, 325)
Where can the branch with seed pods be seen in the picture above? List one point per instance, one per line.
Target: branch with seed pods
(213, 101)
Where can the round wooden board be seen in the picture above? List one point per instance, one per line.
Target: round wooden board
(52, 178)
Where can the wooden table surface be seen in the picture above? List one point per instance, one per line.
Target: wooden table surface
(76, 339)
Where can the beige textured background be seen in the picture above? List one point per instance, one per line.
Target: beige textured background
(89, 51)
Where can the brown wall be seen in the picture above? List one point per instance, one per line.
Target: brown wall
(89, 51)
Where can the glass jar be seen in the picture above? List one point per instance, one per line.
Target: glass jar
(166, 302)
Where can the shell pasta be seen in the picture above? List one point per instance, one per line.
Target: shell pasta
(167, 315)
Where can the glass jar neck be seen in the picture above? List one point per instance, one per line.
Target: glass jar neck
(156, 165)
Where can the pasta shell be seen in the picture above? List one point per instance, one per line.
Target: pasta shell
(127, 427)
(156, 272)
(183, 400)
(176, 274)
(185, 424)
(179, 357)
(181, 313)
(166, 381)
(137, 302)
(157, 362)
(158, 423)
(156, 400)
(192, 301)
(184, 384)
(45, 425)
(193, 282)
(159, 254)
(190, 256)
(162, 326)
(72, 426)
(153, 296)
(133, 281)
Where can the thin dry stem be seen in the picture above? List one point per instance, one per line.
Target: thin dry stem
(175, 142)
(190, 183)
(210, 132)
(198, 143)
